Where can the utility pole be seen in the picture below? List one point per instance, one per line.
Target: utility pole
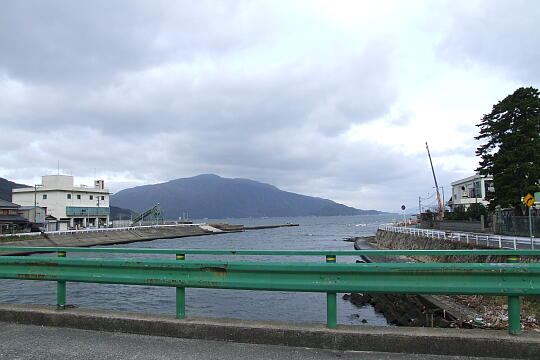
(98, 211)
(531, 229)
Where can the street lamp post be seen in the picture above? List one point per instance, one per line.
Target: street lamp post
(35, 202)
(531, 228)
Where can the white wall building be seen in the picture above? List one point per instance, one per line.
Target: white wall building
(82, 206)
(35, 214)
(471, 190)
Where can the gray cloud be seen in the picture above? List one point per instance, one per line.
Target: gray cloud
(63, 41)
(499, 33)
(222, 102)
(143, 92)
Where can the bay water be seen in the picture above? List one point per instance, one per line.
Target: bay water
(314, 233)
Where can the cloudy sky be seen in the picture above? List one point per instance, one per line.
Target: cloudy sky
(325, 98)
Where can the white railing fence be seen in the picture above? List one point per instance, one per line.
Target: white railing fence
(95, 230)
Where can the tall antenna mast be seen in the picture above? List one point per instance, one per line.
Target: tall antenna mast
(441, 208)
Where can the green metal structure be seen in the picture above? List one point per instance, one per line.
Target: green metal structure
(155, 212)
(511, 279)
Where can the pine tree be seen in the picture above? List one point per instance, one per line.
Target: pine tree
(512, 151)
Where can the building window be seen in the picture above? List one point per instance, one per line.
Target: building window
(78, 197)
(69, 196)
(44, 196)
(91, 197)
(103, 198)
(488, 187)
(477, 189)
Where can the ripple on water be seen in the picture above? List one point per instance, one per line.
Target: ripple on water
(314, 233)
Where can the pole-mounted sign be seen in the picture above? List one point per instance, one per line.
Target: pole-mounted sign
(529, 200)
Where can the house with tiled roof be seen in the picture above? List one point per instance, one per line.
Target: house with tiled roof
(10, 218)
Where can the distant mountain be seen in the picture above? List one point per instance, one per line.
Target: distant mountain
(5, 188)
(211, 196)
(120, 213)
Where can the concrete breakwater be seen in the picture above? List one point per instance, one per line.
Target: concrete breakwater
(230, 227)
(123, 236)
(110, 236)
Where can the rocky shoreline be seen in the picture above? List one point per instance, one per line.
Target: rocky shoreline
(433, 310)
(405, 309)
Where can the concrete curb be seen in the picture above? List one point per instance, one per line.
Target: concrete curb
(456, 342)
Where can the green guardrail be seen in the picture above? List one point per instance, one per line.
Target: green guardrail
(511, 279)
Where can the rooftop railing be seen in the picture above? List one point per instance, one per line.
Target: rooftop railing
(511, 279)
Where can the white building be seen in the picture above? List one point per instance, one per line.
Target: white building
(34, 214)
(471, 190)
(82, 206)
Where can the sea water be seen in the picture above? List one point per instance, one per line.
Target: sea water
(314, 233)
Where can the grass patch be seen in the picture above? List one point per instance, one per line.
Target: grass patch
(5, 239)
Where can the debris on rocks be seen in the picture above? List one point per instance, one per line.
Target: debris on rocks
(494, 316)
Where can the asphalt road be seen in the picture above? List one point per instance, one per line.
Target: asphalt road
(38, 342)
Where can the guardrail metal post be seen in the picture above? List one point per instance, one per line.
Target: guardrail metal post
(61, 288)
(515, 245)
(180, 295)
(331, 304)
(514, 307)
(500, 242)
